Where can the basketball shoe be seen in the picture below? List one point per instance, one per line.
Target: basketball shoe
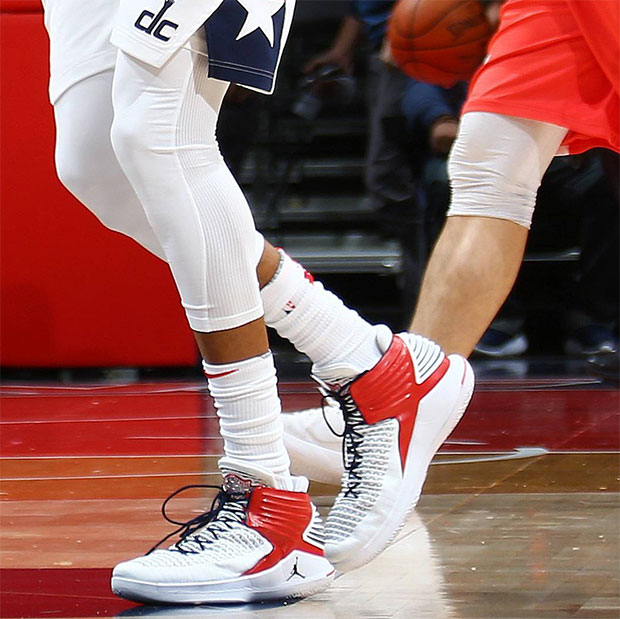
(256, 543)
(396, 416)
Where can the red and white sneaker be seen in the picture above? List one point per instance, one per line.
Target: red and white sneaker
(256, 543)
(396, 416)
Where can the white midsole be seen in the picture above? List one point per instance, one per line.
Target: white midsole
(279, 581)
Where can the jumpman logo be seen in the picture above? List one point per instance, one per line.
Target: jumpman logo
(295, 571)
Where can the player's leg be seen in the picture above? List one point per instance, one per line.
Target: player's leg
(81, 70)
(164, 137)
(396, 413)
(496, 166)
(494, 185)
(475, 258)
(87, 165)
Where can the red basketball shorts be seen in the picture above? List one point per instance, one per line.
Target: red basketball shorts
(557, 61)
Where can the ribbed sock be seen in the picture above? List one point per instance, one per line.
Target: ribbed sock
(248, 407)
(317, 322)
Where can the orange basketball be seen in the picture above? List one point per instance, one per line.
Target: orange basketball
(438, 41)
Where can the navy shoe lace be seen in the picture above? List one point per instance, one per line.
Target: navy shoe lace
(351, 436)
(231, 504)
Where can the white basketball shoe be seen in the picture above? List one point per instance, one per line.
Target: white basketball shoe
(396, 416)
(256, 543)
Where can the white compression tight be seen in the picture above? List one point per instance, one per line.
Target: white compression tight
(497, 163)
(87, 165)
(163, 134)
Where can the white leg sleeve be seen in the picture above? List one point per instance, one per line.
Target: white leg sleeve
(87, 165)
(497, 164)
(164, 137)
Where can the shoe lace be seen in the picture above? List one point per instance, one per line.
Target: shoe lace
(227, 510)
(351, 434)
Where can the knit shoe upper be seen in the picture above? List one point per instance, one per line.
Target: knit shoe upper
(396, 416)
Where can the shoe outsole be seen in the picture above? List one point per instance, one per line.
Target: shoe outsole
(367, 553)
(267, 585)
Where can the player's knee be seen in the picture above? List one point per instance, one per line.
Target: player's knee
(81, 175)
(130, 136)
(95, 184)
(74, 166)
(137, 137)
(483, 185)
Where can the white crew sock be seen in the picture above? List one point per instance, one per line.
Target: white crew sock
(318, 323)
(248, 407)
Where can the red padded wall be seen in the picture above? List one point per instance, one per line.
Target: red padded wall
(71, 292)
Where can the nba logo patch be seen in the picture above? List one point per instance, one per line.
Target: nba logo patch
(244, 40)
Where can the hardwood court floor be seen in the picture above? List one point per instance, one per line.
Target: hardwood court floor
(519, 517)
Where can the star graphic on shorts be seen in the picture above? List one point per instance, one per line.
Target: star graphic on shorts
(260, 17)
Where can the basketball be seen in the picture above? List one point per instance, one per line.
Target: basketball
(438, 41)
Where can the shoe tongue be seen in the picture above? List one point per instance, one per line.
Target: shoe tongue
(334, 377)
(242, 476)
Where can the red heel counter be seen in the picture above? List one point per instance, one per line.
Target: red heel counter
(282, 517)
(389, 391)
